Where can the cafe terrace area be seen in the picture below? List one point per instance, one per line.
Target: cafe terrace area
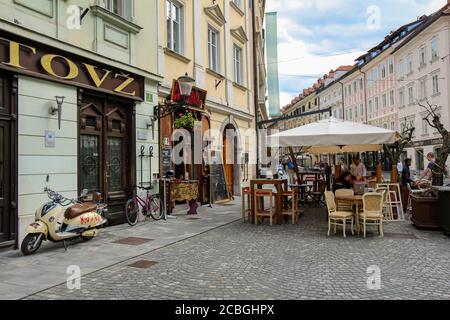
(362, 209)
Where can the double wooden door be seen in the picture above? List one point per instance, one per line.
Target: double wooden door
(106, 156)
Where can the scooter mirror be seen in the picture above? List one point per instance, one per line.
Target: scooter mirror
(48, 178)
(84, 193)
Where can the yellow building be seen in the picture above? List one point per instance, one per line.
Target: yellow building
(212, 41)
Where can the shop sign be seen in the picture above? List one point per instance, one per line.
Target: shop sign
(197, 98)
(423, 143)
(166, 141)
(23, 56)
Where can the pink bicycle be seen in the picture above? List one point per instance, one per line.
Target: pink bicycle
(150, 206)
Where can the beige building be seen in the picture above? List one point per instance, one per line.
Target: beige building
(101, 56)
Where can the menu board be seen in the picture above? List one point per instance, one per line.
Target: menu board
(218, 182)
(166, 159)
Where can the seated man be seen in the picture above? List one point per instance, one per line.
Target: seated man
(428, 173)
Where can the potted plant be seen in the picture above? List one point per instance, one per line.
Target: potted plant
(395, 151)
(439, 169)
(185, 121)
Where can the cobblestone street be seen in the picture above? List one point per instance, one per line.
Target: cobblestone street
(243, 261)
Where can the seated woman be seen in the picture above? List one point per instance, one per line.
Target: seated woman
(344, 181)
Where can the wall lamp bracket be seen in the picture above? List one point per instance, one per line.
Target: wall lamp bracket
(151, 124)
(58, 110)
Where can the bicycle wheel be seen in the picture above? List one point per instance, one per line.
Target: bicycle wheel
(132, 212)
(155, 208)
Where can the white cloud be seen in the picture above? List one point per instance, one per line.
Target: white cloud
(300, 37)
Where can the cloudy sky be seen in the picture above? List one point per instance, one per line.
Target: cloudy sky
(315, 36)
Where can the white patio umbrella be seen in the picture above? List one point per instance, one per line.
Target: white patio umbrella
(333, 135)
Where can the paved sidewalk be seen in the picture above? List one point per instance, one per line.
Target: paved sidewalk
(244, 261)
(21, 276)
(239, 261)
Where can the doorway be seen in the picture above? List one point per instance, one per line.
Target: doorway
(8, 171)
(106, 152)
(420, 162)
(230, 159)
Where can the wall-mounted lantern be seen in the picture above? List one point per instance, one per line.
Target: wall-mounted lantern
(53, 110)
(186, 84)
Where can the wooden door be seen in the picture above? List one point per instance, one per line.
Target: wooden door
(7, 218)
(5, 182)
(228, 154)
(106, 156)
(117, 165)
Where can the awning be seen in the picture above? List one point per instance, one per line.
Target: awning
(335, 136)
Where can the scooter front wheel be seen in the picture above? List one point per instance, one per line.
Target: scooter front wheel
(31, 243)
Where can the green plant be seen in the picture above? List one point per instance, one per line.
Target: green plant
(434, 120)
(185, 121)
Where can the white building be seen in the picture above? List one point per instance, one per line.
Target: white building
(330, 95)
(423, 61)
(104, 63)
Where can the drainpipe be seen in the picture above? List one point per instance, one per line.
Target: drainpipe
(365, 95)
(343, 100)
(256, 87)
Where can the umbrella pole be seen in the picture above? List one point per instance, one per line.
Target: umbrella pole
(379, 172)
(294, 161)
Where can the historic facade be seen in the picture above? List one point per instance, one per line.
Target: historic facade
(214, 42)
(423, 63)
(386, 85)
(78, 84)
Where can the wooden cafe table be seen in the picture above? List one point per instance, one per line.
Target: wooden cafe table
(279, 185)
(355, 200)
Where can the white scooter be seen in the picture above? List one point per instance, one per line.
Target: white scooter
(64, 219)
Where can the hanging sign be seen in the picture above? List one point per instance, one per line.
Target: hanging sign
(197, 98)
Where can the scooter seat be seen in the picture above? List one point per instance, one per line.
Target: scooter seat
(79, 209)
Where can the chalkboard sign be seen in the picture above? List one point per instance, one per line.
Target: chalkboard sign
(218, 182)
(166, 160)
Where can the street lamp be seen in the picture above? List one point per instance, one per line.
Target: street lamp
(186, 84)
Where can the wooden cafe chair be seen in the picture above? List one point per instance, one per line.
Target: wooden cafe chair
(337, 218)
(246, 204)
(260, 211)
(372, 211)
(293, 211)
